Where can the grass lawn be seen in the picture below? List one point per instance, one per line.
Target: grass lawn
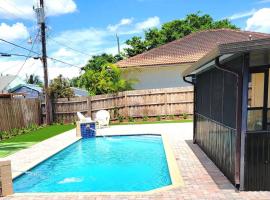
(19, 142)
(153, 122)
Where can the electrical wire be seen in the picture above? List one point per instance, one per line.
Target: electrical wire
(21, 11)
(71, 48)
(25, 60)
(11, 43)
(15, 54)
(5, 10)
(34, 52)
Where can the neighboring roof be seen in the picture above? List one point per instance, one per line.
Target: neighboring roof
(30, 86)
(229, 49)
(80, 92)
(188, 49)
(77, 91)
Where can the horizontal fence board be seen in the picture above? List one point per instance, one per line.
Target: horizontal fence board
(19, 113)
(135, 103)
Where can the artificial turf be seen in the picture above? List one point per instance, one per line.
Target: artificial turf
(19, 142)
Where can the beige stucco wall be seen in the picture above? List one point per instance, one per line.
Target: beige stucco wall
(157, 76)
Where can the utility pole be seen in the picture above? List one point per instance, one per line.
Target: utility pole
(41, 21)
(118, 43)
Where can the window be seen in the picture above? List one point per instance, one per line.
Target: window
(255, 105)
(259, 103)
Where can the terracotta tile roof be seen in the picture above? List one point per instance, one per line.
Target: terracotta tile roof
(189, 49)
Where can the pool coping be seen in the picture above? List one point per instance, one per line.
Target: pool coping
(174, 172)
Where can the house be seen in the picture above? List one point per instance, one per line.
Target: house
(231, 110)
(34, 91)
(9, 81)
(160, 67)
(79, 92)
(29, 90)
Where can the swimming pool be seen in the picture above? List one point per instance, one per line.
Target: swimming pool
(101, 164)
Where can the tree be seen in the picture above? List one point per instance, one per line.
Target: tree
(174, 30)
(153, 38)
(137, 46)
(96, 62)
(108, 79)
(60, 88)
(33, 79)
(75, 82)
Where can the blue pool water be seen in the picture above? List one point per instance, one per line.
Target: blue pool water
(111, 164)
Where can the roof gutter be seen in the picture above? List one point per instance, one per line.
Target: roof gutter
(193, 79)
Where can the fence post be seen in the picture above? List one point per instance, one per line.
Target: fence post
(89, 106)
(126, 104)
(166, 103)
(5, 178)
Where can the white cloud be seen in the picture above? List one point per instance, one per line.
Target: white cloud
(123, 22)
(242, 14)
(114, 50)
(82, 38)
(13, 66)
(259, 21)
(13, 32)
(148, 23)
(35, 66)
(63, 52)
(60, 7)
(264, 1)
(11, 9)
(91, 41)
(127, 27)
(55, 70)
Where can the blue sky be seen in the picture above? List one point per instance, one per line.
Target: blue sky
(90, 26)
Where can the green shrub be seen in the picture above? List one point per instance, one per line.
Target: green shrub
(158, 118)
(131, 119)
(116, 112)
(185, 115)
(18, 131)
(171, 117)
(163, 116)
(121, 118)
(145, 118)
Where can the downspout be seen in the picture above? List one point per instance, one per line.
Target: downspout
(193, 82)
(239, 86)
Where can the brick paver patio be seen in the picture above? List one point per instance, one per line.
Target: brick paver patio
(201, 177)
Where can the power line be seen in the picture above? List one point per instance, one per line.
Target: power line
(21, 11)
(26, 58)
(54, 59)
(3, 54)
(30, 50)
(16, 16)
(11, 43)
(71, 48)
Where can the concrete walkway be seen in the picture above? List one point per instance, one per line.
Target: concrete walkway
(202, 179)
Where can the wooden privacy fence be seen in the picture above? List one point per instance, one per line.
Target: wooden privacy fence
(18, 113)
(137, 103)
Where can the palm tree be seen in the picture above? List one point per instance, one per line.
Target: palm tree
(33, 79)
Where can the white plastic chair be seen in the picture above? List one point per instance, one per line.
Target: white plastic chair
(82, 118)
(102, 118)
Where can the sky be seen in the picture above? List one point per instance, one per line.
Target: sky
(79, 29)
